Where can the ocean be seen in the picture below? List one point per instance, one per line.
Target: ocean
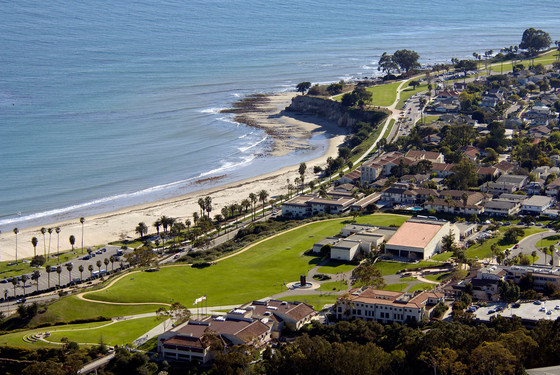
(110, 104)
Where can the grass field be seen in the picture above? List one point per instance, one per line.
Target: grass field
(391, 268)
(116, 333)
(317, 301)
(421, 286)
(443, 256)
(546, 242)
(546, 59)
(389, 127)
(23, 266)
(254, 274)
(333, 286)
(334, 267)
(439, 277)
(72, 308)
(431, 118)
(408, 279)
(408, 92)
(483, 251)
(397, 287)
(384, 95)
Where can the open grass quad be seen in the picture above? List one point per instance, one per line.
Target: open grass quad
(108, 332)
(481, 251)
(252, 274)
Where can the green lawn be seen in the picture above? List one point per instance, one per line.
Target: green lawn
(389, 127)
(398, 287)
(439, 277)
(391, 268)
(431, 118)
(546, 242)
(546, 59)
(408, 92)
(333, 286)
(483, 251)
(383, 219)
(253, 274)
(334, 267)
(316, 300)
(443, 256)
(72, 308)
(409, 279)
(384, 95)
(116, 333)
(421, 286)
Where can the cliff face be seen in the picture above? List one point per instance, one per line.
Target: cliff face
(333, 111)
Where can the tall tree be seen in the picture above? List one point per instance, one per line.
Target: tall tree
(142, 229)
(368, 275)
(16, 231)
(34, 242)
(50, 230)
(157, 224)
(406, 59)
(387, 64)
(57, 230)
(58, 271)
(72, 240)
(302, 87)
(106, 262)
(82, 221)
(90, 269)
(48, 269)
(69, 268)
(98, 264)
(534, 41)
(208, 205)
(35, 277)
(15, 282)
(263, 195)
(81, 269)
(43, 231)
(301, 170)
(253, 199)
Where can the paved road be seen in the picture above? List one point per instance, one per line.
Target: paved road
(530, 244)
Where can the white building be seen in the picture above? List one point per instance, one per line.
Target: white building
(385, 306)
(420, 239)
(536, 205)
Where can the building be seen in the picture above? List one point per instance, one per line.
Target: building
(191, 341)
(310, 205)
(345, 250)
(499, 207)
(420, 239)
(417, 155)
(385, 306)
(536, 205)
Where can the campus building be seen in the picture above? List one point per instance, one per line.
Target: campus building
(385, 306)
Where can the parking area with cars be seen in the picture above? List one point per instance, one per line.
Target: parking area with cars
(527, 311)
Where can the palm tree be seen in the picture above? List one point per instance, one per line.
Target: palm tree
(15, 282)
(24, 279)
(534, 255)
(98, 264)
(106, 262)
(208, 204)
(90, 269)
(142, 229)
(188, 224)
(157, 224)
(50, 230)
(59, 271)
(253, 199)
(195, 217)
(202, 205)
(263, 194)
(72, 240)
(16, 231)
(81, 269)
(82, 220)
(301, 170)
(69, 267)
(34, 242)
(49, 269)
(57, 230)
(245, 204)
(43, 231)
(35, 277)
(112, 260)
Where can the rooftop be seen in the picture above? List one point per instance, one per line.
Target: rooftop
(415, 234)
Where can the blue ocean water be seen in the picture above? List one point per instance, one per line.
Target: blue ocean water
(108, 104)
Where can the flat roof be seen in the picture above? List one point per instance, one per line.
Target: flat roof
(414, 234)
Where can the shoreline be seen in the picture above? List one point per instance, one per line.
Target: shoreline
(290, 133)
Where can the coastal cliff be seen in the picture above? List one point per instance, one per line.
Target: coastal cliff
(333, 111)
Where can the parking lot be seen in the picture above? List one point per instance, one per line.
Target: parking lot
(527, 311)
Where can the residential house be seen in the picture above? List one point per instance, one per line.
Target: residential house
(498, 207)
(536, 205)
(553, 189)
(417, 155)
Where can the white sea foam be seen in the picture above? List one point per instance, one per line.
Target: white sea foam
(230, 165)
(228, 119)
(245, 149)
(214, 110)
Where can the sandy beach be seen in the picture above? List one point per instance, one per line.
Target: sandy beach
(289, 133)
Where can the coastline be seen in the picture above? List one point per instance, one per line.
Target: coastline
(288, 133)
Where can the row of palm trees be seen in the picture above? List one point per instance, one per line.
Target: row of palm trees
(44, 231)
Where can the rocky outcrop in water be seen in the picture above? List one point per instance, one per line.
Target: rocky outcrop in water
(333, 111)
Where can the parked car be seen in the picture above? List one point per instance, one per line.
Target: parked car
(516, 305)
